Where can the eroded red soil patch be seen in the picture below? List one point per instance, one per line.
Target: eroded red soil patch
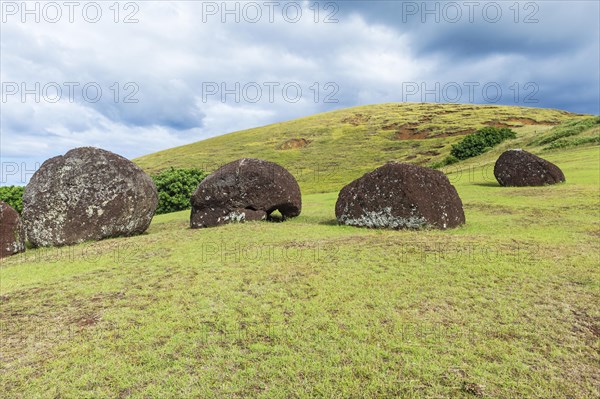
(518, 122)
(357, 119)
(294, 143)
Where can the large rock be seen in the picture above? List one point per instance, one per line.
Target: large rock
(12, 234)
(522, 168)
(400, 195)
(246, 189)
(87, 194)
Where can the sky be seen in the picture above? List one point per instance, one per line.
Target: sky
(136, 77)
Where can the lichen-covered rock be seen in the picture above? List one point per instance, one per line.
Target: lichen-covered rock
(87, 194)
(520, 168)
(245, 190)
(12, 234)
(400, 195)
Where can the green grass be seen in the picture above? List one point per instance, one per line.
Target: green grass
(590, 126)
(347, 143)
(503, 307)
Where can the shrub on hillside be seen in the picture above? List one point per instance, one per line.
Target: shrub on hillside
(175, 188)
(481, 141)
(475, 144)
(13, 196)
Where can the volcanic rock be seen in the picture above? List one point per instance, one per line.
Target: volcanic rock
(400, 195)
(12, 234)
(246, 189)
(521, 168)
(87, 194)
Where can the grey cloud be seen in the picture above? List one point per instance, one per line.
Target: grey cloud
(369, 54)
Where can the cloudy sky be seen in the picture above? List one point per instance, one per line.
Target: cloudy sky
(148, 75)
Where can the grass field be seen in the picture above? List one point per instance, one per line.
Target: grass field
(504, 307)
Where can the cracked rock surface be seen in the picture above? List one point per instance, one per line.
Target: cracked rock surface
(245, 190)
(400, 195)
(87, 194)
(12, 233)
(519, 168)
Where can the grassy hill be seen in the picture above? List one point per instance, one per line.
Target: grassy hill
(502, 307)
(326, 151)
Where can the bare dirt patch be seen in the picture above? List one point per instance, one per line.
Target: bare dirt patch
(407, 131)
(414, 131)
(87, 320)
(529, 121)
(35, 320)
(357, 119)
(294, 144)
(431, 153)
(519, 122)
(586, 324)
(497, 123)
(594, 233)
(447, 111)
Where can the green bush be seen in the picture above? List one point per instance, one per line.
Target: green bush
(175, 188)
(13, 196)
(480, 142)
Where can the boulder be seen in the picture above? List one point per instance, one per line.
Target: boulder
(400, 195)
(521, 168)
(87, 194)
(12, 234)
(246, 189)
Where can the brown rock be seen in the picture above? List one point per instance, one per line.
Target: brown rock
(87, 194)
(400, 195)
(246, 189)
(12, 234)
(521, 168)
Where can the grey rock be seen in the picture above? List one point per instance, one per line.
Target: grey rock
(87, 194)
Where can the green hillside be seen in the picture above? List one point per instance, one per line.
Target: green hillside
(505, 306)
(326, 151)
